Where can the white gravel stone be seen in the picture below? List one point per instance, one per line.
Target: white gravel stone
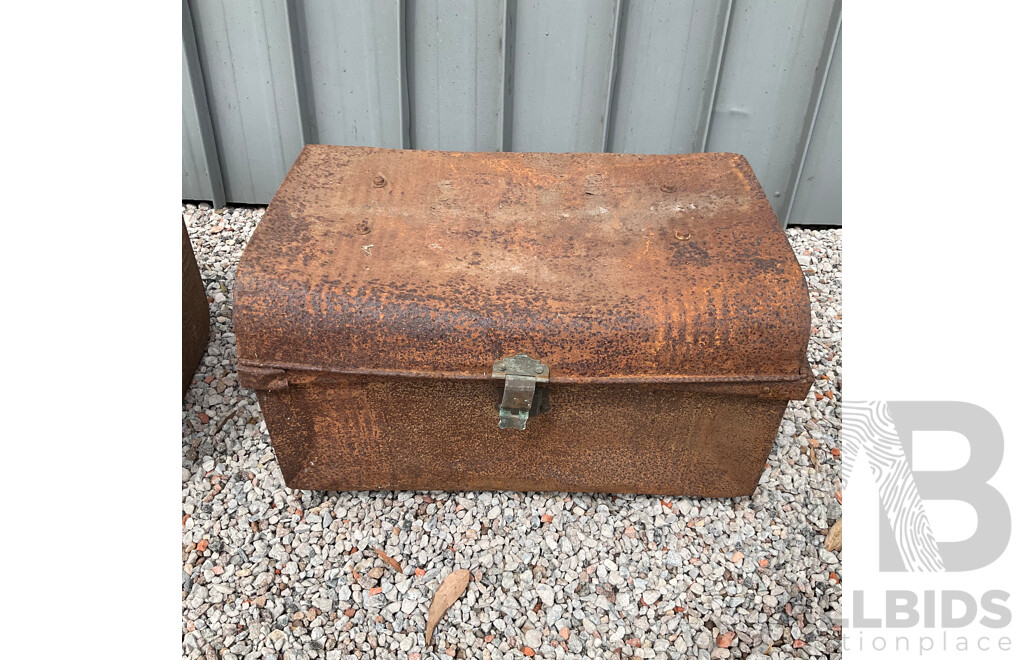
(277, 576)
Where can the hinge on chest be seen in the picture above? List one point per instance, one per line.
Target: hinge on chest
(521, 374)
(261, 378)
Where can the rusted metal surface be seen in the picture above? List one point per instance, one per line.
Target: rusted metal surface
(661, 293)
(195, 313)
(414, 434)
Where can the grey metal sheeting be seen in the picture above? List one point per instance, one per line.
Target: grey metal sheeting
(260, 78)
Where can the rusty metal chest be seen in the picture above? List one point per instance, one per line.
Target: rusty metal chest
(553, 322)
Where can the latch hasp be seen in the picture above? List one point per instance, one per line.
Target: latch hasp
(521, 374)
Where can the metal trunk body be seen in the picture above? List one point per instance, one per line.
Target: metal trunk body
(658, 313)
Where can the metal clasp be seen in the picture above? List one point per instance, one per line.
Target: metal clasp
(521, 374)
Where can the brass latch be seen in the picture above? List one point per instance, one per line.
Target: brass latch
(521, 374)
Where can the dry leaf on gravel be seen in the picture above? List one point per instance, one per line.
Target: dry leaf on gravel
(834, 539)
(389, 561)
(451, 588)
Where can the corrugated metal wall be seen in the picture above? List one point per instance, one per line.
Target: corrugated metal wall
(260, 78)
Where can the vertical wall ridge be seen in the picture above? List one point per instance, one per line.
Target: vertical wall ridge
(507, 73)
(715, 75)
(613, 73)
(201, 105)
(299, 50)
(820, 79)
(403, 75)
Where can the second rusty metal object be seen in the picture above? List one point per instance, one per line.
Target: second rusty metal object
(645, 315)
(195, 312)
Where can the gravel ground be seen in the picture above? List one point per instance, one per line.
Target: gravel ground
(269, 572)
